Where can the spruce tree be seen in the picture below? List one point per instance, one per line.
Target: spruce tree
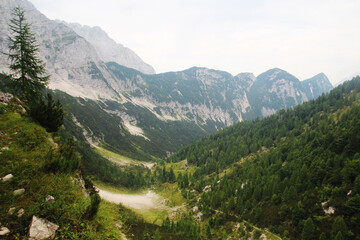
(308, 232)
(28, 71)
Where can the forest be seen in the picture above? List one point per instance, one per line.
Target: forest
(295, 172)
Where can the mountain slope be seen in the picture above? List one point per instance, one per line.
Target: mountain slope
(161, 112)
(317, 85)
(73, 63)
(46, 182)
(297, 166)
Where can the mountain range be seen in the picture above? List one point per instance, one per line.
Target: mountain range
(152, 108)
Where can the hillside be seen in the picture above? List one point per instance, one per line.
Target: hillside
(295, 172)
(40, 176)
(147, 116)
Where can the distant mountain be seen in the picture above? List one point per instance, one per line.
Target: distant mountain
(153, 108)
(273, 90)
(109, 50)
(317, 85)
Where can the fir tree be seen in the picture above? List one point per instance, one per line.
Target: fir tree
(28, 71)
(308, 232)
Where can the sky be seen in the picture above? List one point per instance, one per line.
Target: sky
(303, 37)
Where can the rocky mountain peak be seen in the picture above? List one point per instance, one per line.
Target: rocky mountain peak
(317, 85)
(109, 50)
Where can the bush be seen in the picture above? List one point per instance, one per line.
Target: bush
(50, 115)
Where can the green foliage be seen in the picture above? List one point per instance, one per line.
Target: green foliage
(313, 158)
(92, 210)
(339, 236)
(24, 148)
(339, 226)
(28, 70)
(257, 234)
(64, 159)
(50, 115)
(308, 232)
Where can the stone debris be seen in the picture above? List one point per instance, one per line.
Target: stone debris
(349, 193)
(207, 188)
(50, 199)
(329, 210)
(195, 209)
(11, 211)
(7, 177)
(194, 191)
(19, 192)
(4, 231)
(20, 212)
(198, 216)
(41, 229)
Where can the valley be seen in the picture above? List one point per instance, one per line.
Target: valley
(109, 149)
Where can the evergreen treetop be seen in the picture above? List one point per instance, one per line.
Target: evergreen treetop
(28, 71)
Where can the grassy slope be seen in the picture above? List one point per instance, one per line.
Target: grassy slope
(24, 146)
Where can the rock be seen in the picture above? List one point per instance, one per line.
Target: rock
(349, 193)
(4, 231)
(195, 209)
(50, 199)
(11, 211)
(41, 229)
(207, 188)
(20, 213)
(4, 148)
(7, 177)
(19, 192)
(5, 97)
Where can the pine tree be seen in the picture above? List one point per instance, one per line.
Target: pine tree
(339, 226)
(339, 236)
(157, 235)
(28, 71)
(308, 232)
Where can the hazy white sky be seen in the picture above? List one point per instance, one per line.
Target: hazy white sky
(303, 37)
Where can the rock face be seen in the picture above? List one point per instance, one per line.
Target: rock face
(317, 85)
(41, 229)
(73, 63)
(109, 50)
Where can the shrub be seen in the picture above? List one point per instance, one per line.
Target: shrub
(50, 115)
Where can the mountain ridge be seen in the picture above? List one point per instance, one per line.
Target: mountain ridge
(203, 98)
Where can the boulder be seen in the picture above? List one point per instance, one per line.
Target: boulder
(4, 231)
(19, 192)
(7, 177)
(41, 229)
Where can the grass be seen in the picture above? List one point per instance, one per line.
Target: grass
(118, 159)
(171, 192)
(24, 146)
(120, 190)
